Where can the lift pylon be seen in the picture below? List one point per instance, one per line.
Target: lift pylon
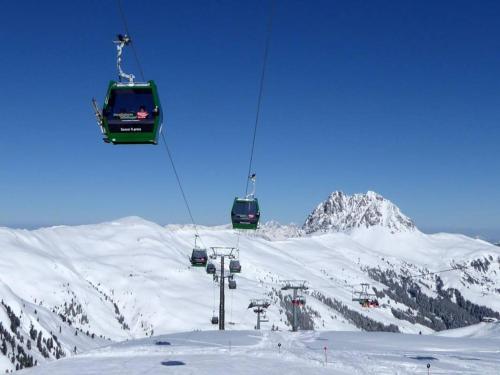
(222, 252)
(259, 307)
(295, 286)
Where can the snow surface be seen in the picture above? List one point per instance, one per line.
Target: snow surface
(480, 330)
(131, 278)
(255, 352)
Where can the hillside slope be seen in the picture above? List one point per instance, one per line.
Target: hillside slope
(131, 278)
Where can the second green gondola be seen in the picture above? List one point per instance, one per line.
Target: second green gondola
(245, 213)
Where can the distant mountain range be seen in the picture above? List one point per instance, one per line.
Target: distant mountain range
(67, 289)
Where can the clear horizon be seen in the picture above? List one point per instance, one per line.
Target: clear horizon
(399, 97)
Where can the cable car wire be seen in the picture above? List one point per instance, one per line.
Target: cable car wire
(456, 268)
(261, 90)
(125, 24)
(259, 99)
(352, 286)
(184, 197)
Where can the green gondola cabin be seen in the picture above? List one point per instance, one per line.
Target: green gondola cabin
(132, 113)
(245, 213)
(199, 258)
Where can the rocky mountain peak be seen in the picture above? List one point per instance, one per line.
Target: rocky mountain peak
(341, 212)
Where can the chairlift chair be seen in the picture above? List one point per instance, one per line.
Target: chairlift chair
(299, 301)
(364, 298)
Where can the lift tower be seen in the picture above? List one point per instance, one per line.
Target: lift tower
(295, 285)
(259, 307)
(222, 253)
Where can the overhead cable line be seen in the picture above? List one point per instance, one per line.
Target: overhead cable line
(184, 197)
(456, 268)
(251, 176)
(179, 183)
(261, 90)
(127, 31)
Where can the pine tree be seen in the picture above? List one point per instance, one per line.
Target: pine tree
(33, 332)
(39, 342)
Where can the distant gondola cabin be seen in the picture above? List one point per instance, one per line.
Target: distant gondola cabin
(199, 258)
(234, 266)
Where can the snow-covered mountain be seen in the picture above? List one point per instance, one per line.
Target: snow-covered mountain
(274, 231)
(341, 212)
(79, 287)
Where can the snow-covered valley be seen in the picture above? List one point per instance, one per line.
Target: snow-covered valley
(67, 290)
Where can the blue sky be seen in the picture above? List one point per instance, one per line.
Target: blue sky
(399, 97)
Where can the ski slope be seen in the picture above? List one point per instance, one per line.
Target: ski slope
(145, 269)
(253, 352)
(130, 278)
(481, 330)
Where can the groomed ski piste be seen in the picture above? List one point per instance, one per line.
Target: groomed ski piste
(271, 352)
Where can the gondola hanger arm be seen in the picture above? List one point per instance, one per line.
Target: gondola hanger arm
(122, 41)
(253, 179)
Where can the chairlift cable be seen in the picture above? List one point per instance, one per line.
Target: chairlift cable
(261, 90)
(125, 24)
(350, 287)
(456, 268)
(238, 240)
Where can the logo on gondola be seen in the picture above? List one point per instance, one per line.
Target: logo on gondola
(131, 129)
(125, 116)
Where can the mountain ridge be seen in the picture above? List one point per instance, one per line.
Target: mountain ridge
(131, 278)
(341, 213)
